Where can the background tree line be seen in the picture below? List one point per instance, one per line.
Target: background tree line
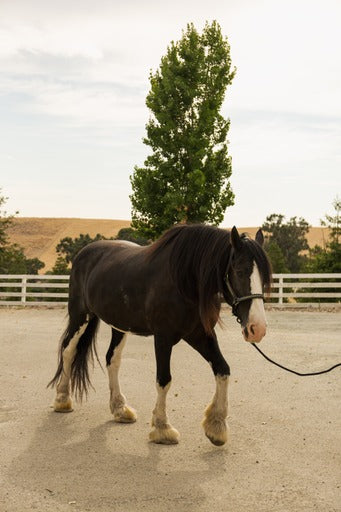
(285, 242)
(288, 249)
(12, 256)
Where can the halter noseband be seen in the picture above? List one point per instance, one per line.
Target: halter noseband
(235, 299)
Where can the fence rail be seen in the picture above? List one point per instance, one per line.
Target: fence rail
(51, 290)
(33, 290)
(310, 289)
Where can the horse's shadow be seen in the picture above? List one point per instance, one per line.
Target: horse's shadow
(97, 473)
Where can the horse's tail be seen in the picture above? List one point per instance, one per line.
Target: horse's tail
(85, 351)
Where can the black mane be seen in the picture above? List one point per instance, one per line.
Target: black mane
(197, 258)
(198, 255)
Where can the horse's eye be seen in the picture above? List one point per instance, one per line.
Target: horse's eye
(240, 273)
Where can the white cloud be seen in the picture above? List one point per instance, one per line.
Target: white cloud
(282, 49)
(85, 65)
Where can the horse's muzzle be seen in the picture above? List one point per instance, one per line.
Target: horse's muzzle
(254, 333)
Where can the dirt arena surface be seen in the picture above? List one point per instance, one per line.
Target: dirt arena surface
(285, 431)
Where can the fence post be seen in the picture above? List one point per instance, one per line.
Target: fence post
(23, 290)
(280, 290)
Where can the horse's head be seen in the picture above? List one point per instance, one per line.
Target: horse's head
(247, 274)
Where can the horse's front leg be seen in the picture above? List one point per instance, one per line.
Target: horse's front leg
(214, 422)
(162, 432)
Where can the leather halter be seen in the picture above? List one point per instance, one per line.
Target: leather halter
(235, 299)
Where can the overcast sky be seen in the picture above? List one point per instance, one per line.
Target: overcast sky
(74, 77)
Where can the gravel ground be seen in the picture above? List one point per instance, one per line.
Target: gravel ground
(284, 448)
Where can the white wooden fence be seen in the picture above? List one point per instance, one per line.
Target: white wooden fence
(33, 290)
(286, 288)
(48, 290)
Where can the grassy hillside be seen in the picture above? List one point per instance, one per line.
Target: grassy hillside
(39, 236)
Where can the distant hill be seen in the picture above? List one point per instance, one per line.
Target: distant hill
(39, 236)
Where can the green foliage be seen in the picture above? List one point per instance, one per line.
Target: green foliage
(12, 257)
(185, 179)
(68, 247)
(276, 257)
(333, 222)
(60, 268)
(33, 265)
(131, 235)
(5, 221)
(328, 259)
(290, 238)
(325, 260)
(12, 260)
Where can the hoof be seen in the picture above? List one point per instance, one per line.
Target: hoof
(167, 435)
(125, 414)
(216, 442)
(63, 406)
(216, 431)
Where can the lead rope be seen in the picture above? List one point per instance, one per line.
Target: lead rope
(293, 371)
(237, 300)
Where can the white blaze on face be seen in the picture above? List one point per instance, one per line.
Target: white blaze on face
(256, 325)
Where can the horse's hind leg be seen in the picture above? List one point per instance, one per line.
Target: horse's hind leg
(118, 405)
(63, 402)
(163, 432)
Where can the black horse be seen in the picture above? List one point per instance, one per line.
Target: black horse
(173, 290)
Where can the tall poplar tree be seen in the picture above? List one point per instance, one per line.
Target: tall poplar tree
(186, 178)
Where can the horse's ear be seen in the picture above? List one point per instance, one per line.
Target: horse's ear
(260, 237)
(235, 239)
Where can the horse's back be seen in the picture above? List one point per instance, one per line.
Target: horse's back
(107, 246)
(94, 252)
(101, 260)
(111, 279)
